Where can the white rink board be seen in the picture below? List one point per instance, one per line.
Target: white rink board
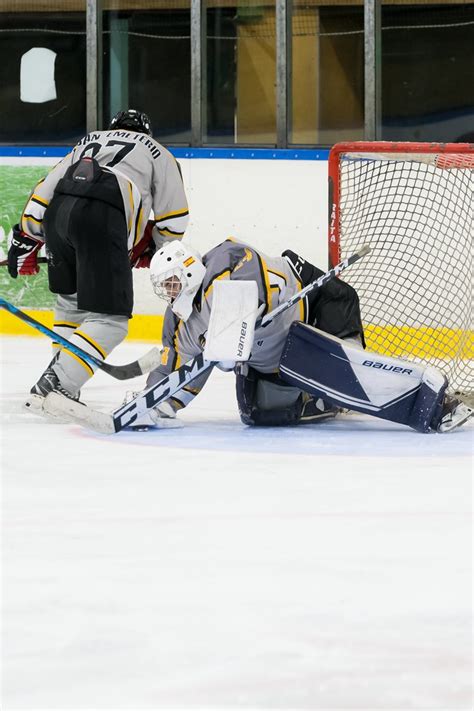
(272, 204)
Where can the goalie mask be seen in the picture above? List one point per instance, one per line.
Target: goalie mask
(176, 273)
(133, 121)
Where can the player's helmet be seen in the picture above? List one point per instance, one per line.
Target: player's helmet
(176, 273)
(132, 120)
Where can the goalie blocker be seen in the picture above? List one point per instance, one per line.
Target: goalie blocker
(347, 376)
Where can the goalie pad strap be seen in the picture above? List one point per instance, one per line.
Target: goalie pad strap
(347, 376)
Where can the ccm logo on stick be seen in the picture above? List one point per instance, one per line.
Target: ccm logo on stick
(384, 366)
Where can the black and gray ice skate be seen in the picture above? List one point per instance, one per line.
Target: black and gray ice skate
(48, 382)
(315, 409)
(455, 413)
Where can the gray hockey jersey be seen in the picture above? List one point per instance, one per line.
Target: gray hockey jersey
(147, 173)
(277, 282)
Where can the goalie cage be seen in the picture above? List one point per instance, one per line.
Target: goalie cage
(412, 203)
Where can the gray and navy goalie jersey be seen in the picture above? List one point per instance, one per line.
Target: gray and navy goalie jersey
(277, 282)
(148, 176)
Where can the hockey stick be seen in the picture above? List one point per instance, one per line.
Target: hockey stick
(331, 274)
(40, 260)
(135, 253)
(147, 362)
(126, 415)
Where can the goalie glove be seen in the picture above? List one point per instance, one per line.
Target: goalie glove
(23, 254)
(160, 416)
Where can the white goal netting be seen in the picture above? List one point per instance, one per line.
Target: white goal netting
(413, 204)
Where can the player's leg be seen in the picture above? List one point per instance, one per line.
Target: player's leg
(96, 318)
(98, 334)
(389, 388)
(62, 280)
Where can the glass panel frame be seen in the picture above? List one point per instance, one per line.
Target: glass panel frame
(56, 115)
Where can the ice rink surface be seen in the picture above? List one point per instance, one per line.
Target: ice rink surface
(221, 567)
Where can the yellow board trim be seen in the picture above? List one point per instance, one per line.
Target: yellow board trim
(420, 341)
(142, 327)
(397, 341)
(12, 326)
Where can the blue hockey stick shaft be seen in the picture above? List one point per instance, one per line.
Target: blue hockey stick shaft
(121, 372)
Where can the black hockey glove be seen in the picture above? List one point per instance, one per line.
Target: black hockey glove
(23, 254)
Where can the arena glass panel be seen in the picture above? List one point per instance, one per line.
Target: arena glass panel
(42, 71)
(240, 71)
(427, 72)
(327, 73)
(147, 65)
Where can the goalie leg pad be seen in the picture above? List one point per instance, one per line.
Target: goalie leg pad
(266, 400)
(347, 376)
(265, 403)
(428, 406)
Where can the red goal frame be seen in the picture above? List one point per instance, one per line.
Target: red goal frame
(444, 158)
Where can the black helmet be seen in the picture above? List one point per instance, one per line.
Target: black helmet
(133, 120)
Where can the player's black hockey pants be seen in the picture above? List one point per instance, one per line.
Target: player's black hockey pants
(86, 241)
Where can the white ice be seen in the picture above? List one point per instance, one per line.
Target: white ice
(217, 566)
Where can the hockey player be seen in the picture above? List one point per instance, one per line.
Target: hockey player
(92, 212)
(186, 282)
(307, 363)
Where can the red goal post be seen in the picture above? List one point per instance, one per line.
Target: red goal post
(413, 204)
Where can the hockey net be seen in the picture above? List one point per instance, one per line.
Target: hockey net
(412, 203)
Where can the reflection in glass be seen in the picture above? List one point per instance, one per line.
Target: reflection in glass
(58, 113)
(147, 65)
(37, 82)
(428, 72)
(240, 73)
(327, 88)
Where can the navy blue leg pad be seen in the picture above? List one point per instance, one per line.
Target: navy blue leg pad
(349, 377)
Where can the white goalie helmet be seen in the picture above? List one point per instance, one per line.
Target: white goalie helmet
(176, 273)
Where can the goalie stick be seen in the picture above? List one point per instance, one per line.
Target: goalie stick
(334, 272)
(110, 423)
(143, 365)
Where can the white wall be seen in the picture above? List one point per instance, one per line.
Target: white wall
(271, 204)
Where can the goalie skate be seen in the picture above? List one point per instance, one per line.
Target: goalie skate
(457, 414)
(316, 410)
